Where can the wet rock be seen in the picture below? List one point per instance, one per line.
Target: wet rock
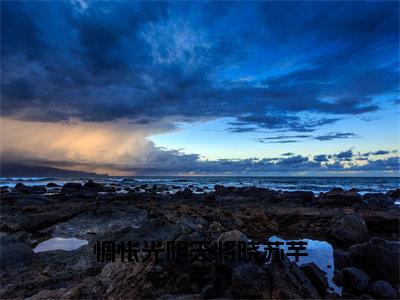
(355, 280)
(316, 276)
(338, 197)
(394, 194)
(249, 282)
(379, 258)
(383, 290)
(199, 190)
(341, 259)
(350, 229)
(52, 184)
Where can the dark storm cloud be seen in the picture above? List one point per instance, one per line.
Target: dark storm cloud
(149, 60)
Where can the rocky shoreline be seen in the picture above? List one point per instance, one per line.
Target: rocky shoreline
(362, 229)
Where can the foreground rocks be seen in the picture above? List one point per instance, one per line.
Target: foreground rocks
(364, 232)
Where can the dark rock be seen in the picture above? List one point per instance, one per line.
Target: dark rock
(199, 190)
(90, 184)
(14, 251)
(341, 259)
(208, 292)
(189, 224)
(71, 188)
(338, 197)
(20, 185)
(90, 189)
(316, 276)
(337, 277)
(332, 295)
(38, 190)
(350, 229)
(394, 194)
(232, 236)
(51, 184)
(287, 281)
(249, 282)
(355, 280)
(383, 290)
(186, 193)
(382, 221)
(379, 258)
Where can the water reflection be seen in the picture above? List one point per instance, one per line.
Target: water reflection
(66, 244)
(319, 252)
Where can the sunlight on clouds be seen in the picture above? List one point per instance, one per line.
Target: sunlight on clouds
(81, 143)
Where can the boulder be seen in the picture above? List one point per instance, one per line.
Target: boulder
(52, 184)
(287, 281)
(341, 259)
(186, 193)
(379, 258)
(38, 190)
(355, 280)
(383, 290)
(233, 235)
(338, 197)
(90, 184)
(394, 194)
(20, 185)
(71, 188)
(249, 282)
(91, 189)
(316, 276)
(350, 229)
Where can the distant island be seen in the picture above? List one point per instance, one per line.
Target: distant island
(21, 170)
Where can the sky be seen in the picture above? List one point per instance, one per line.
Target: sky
(202, 88)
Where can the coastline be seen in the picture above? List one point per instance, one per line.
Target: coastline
(93, 212)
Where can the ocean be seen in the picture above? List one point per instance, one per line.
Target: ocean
(314, 184)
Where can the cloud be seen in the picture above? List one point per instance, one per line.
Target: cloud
(321, 158)
(335, 135)
(296, 138)
(119, 148)
(114, 73)
(83, 62)
(288, 154)
(345, 154)
(379, 152)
